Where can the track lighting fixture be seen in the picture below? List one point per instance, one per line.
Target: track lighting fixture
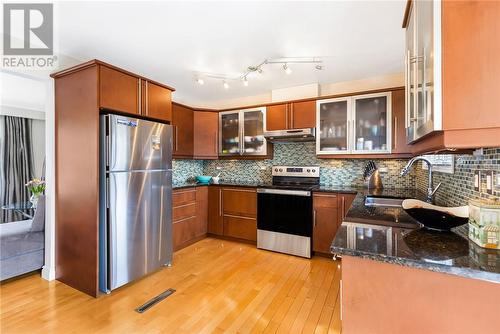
(316, 61)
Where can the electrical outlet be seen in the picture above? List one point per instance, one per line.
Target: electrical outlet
(477, 180)
(383, 170)
(489, 182)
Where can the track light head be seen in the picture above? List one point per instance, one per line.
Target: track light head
(245, 81)
(225, 84)
(200, 81)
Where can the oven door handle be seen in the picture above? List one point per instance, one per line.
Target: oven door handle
(303, 193)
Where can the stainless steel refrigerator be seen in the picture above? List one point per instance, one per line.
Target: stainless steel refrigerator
(136, 196)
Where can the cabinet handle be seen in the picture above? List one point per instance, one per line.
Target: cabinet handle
(215, 143)
(146, 98)
(343, 208)
(176, 137)
(291, 116)
(240, 190)
(139, 90)
(395, 129)
(314, 217)
(286, 117)
(220, 202)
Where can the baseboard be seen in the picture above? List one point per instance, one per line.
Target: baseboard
(48, 273)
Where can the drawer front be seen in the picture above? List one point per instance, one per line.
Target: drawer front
(183, 231)
(325, 200)
(183, 196)
(240, 227)
(183, 211)
(239, 202)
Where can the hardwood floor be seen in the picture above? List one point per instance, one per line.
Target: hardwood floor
(222, 286)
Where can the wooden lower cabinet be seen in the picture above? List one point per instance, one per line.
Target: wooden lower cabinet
(325, 221)
(232, 212)
(240, 227)
(215, 224)
(189, 216)
(329, 211)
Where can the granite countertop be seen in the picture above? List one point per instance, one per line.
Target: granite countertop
(233, 183)
(390, 235)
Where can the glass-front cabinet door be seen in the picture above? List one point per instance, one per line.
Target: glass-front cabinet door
(371, 122)
(332, 126)
(354, 125)
(242, 132)
(253, 141)
(230, 134)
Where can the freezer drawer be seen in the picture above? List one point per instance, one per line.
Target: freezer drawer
(139, 225)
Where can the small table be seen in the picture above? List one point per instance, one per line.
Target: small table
(24, 208)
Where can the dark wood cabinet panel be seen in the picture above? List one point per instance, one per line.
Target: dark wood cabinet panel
(344, 203)
(183, 196)
(325, 221)
(77, 180)
(302, 114)
(399, 144)
(118, 91)
(206, 129)
(329, 211)
(201, 211)
(240, 227)
(182, 121)
(324, 229)
(157, 102)
(215, 225)
(183, 232)
(239, 201)
(183, 211)
(277, 117)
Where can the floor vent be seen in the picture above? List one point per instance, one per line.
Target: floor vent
(153, 301)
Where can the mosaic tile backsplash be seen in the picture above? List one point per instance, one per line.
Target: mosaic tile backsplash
(458, 188)
(346, 172)
(186, 170)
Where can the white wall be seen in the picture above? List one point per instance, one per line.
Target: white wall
(378, 82)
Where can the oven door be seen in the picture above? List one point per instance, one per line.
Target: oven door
(285, 211)
(284, 221)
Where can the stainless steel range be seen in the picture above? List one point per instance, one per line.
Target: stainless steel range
(285, 212)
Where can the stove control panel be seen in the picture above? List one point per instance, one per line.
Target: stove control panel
(302, 171)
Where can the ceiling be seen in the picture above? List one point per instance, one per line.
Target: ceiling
(171, 41)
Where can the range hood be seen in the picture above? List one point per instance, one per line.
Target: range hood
(296, 135)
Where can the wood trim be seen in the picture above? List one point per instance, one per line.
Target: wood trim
(324, 97)
(225, 237)
(77, 179)
(366, 156)
(406, 16)
(194, 108)
(95, 62)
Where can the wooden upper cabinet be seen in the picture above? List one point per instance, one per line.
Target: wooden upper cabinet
(399, 144)
(182, 121)
(157, 101)
(119, 91)
(302, 114)
(293, 115)
(277, 117)
(206, 129)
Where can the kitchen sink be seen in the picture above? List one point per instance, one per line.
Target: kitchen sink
(391, 202)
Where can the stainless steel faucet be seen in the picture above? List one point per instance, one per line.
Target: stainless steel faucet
(430, 189)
